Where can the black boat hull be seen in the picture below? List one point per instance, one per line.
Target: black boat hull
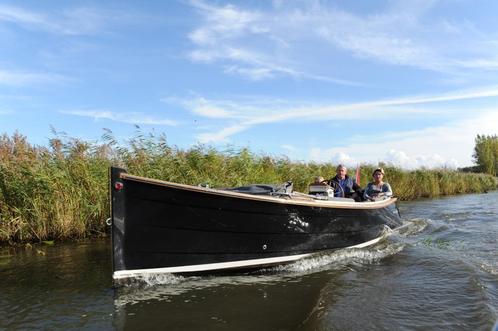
(166, 227)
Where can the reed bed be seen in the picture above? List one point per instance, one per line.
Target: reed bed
(60, 192)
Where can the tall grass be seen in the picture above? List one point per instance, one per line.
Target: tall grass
(60, 192)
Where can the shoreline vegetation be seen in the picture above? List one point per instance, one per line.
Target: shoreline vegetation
(60, 192)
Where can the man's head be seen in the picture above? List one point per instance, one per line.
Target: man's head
(341, 171)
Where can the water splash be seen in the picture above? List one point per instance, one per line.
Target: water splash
(339, 258)
(155, 279)
(488, 267)
(412, 227)
(165, 287)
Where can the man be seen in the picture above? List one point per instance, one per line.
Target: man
(342, 184)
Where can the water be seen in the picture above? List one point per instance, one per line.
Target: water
(439, 272)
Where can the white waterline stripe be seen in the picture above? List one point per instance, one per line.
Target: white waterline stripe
(210, 266)
(226, 265)
(366, 243)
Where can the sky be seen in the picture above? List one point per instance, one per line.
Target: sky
(408, 83)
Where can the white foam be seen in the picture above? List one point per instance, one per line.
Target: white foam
(342, 257)
(492, 269)
(412, 227)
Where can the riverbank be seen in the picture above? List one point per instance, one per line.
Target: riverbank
(60, 192)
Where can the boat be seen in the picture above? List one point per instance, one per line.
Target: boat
(165, 227)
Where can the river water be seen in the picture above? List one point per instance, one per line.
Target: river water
(439, 272)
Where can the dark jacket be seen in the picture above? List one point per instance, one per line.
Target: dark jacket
(372, 191)
(345, 190)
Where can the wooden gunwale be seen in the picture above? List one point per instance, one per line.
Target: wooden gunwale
(290, 200)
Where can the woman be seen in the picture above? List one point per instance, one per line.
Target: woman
(377, 189)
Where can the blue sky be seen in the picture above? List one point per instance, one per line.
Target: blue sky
(404, 82)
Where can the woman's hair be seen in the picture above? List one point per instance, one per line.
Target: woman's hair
(378, 169)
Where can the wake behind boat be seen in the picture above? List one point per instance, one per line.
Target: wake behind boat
(159, 226)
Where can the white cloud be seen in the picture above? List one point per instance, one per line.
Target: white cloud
(401, 159)
(397, 158)
(226, 36)
(132, 118)
(289, 148)
(332, 155)
(224, 22)
(433, 147)
(450, 145)
(373, 36)
(19, 15)
(396, 35)
(222, 135)
(22, 78)
(205, 108)
(75, 21)
(254, 73)
(255, 65)
(251, 114)
(210, 111)
(478, 63)
(343, 158)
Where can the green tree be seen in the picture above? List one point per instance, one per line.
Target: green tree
(486, 154)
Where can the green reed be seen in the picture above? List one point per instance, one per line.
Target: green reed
(60, 192)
